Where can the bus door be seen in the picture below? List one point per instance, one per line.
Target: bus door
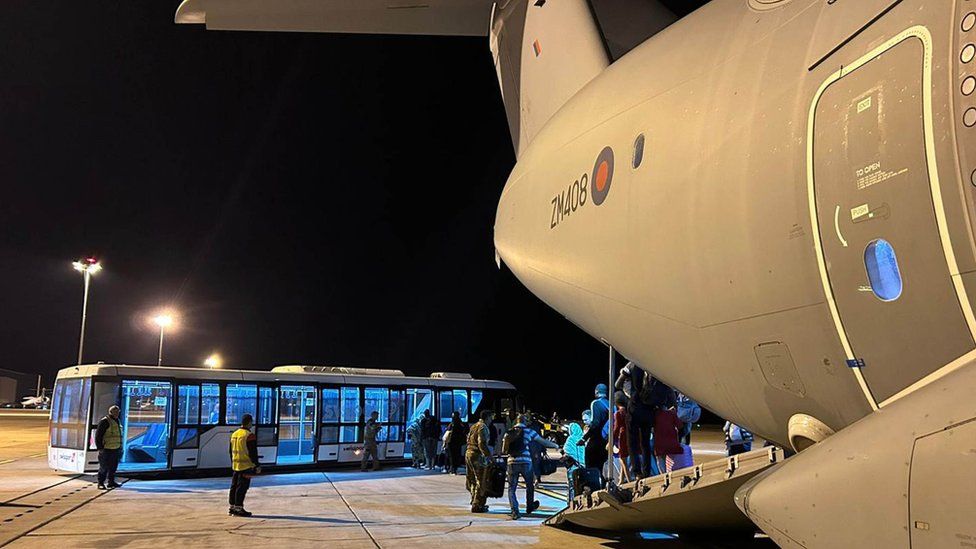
(418, 400)
(296, 424)
(145, 418)
(266, 424)
(329, 437)
(187, 443)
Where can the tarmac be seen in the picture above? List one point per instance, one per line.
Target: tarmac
(395, 507)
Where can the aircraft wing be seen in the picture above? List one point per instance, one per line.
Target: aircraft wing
(443, 17)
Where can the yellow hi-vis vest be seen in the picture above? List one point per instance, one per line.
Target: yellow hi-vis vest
(239, 458)
(112, 439)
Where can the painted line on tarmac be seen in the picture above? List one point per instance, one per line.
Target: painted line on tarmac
(6, 461)
(355, 516)
(69, 479)
(60, 515)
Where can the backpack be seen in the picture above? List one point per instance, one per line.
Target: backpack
(514, 442)
(646, 392)
(688, 410)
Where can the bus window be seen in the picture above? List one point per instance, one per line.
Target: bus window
(210, 406)
(241, 399)
(105, 396)
(461, 403)
(69, 417)
(187, 437)
(396, 406)
(349, 415)
(419, 400)
(445, 405)
(188, 405)
(394, 431)
(476, 396)
(378, 400)
(266, 406)
(330, 416)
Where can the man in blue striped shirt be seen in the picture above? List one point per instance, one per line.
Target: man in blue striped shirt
(516, 446)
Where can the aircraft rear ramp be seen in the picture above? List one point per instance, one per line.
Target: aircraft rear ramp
(692, 500)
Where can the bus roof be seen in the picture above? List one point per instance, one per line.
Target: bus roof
(355, 376)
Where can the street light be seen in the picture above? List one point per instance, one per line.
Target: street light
(86, 266)
(163, 320)
(213, 361)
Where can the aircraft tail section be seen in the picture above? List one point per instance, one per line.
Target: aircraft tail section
(544, 53)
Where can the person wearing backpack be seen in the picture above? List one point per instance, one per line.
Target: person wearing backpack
(515, 444)
(688, 412)
(640, 410)
(595, 441)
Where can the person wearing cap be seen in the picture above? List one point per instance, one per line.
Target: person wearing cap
(244, 461)
(108, 441)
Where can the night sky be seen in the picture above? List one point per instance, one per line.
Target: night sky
(297, 198)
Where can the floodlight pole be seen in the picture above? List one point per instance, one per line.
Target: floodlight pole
(84, 315)
(162, 329)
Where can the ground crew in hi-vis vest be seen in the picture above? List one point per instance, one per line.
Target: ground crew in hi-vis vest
(244, 461)
(108, 442)
(476, 462)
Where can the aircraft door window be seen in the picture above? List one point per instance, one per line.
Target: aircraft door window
(882, 267)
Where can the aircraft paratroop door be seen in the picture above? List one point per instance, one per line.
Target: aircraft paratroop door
(883, 253)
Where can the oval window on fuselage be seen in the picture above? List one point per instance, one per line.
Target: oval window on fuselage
(881, 264)
(638, 151)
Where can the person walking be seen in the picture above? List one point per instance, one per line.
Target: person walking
(476, 462)
(429, 432)
(455, 442)
(370, 432)
(244, 462)
(640, 412)
(108, 441)
(516, 445)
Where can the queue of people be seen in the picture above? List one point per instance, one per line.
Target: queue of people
(650, 435)
(651, 429)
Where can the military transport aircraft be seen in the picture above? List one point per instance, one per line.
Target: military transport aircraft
(768, 204)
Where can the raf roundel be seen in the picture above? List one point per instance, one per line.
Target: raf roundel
(602, 175)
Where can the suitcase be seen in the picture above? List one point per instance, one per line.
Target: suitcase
(586, 478)
(495, 474)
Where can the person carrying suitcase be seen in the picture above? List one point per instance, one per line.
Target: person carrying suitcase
(476, 462)
(516, 445)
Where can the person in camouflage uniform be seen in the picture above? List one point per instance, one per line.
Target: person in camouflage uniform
(476, 461)
(416, 446)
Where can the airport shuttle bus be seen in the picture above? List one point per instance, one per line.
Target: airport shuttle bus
(181, 418)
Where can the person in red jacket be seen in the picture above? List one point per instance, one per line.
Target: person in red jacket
(620, 436)
(667, 427)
